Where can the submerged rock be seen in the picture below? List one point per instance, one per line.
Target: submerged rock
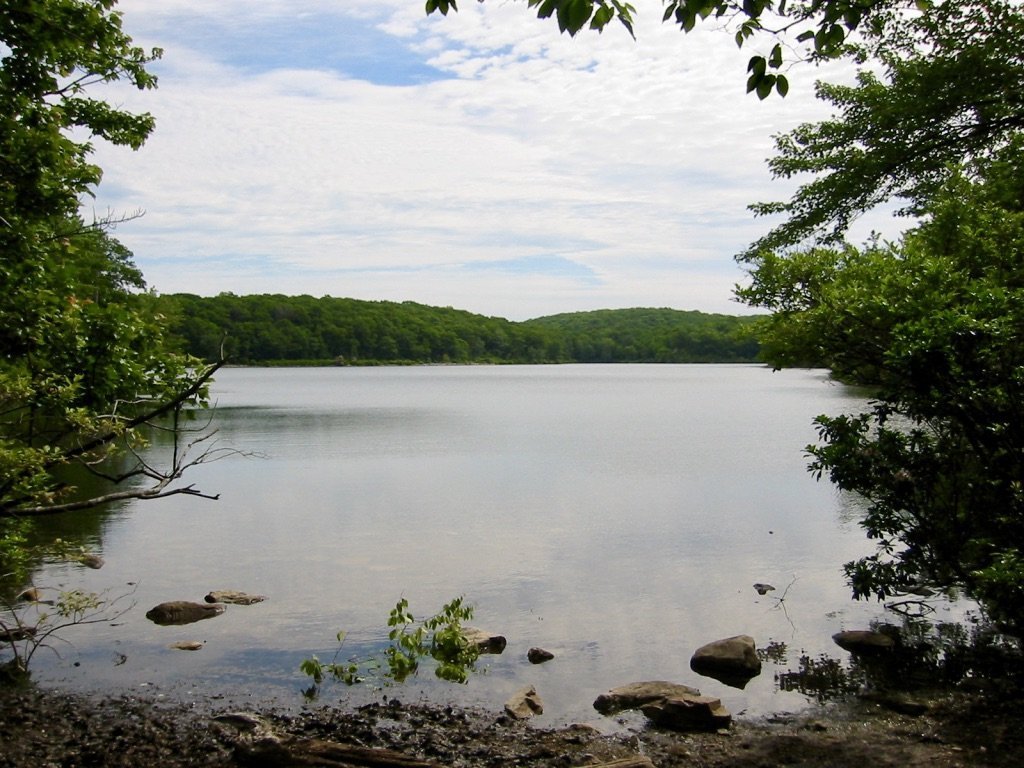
(183, 612)
(524, 704)
(234, 597)
(89, 560)
(732, 661)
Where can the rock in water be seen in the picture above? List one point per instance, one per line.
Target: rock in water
(669, 705)
(183, 612)
(635, 695)
(732, 661)
(524, 704)
(688, 713)
(539, 655)
(234, 597)
(186, 645)
(486, 642)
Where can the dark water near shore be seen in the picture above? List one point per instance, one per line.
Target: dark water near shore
(617, 516)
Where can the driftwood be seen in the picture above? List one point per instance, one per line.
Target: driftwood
(637, 761)
(274, 753)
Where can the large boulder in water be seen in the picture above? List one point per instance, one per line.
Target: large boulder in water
(183, 612)
(732, 661)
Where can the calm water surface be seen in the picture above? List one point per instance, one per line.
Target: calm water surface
(617, 516)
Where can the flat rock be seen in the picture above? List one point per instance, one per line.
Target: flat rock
(183, 612)
(234, 597)
(186, 645)
(486, 642)
(524, 704)
(863, 642)
(688, 713)
(732, 661)
(636, 695)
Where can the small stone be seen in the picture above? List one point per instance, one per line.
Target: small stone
(539, 655)
(763, 589)
(187, 645)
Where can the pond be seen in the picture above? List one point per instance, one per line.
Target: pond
(617, 516)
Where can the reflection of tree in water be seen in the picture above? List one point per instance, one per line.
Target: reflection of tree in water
(821, 679)
(925, 656)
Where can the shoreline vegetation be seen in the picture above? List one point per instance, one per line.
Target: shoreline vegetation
(277, 330)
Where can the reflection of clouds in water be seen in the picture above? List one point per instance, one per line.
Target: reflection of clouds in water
(616, 515)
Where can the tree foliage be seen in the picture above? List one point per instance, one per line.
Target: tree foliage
(942, 88)
(933, 322)
(302, 329)
(812, 30)
(83, 360)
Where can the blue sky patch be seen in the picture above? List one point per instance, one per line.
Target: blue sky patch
(350, 47)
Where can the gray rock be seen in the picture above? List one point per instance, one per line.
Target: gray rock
(183, 612)
(863, 642)
(233, 596)
(763, 589)
(732, 661)
(636, 695)
(688, 713)
(539, 655)
(486, 642)
(524, 704)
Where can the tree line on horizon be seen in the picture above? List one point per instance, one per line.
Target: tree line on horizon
(304, 330)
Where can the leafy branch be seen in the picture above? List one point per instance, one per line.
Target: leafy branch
(439, 637)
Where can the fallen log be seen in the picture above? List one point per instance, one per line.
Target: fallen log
(305, 753)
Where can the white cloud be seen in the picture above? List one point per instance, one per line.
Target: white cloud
(633, 160)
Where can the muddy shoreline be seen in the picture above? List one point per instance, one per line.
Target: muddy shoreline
(983, 726)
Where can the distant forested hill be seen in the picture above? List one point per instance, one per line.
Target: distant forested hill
(266, 329)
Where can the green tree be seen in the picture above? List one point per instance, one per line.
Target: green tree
(933, 322)
(935, 325)
(83, 362)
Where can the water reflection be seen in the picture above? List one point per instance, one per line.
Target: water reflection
(614, 515)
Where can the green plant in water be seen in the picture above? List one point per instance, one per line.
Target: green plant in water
(439, 637)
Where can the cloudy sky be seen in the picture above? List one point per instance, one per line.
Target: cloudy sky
(482, 161)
